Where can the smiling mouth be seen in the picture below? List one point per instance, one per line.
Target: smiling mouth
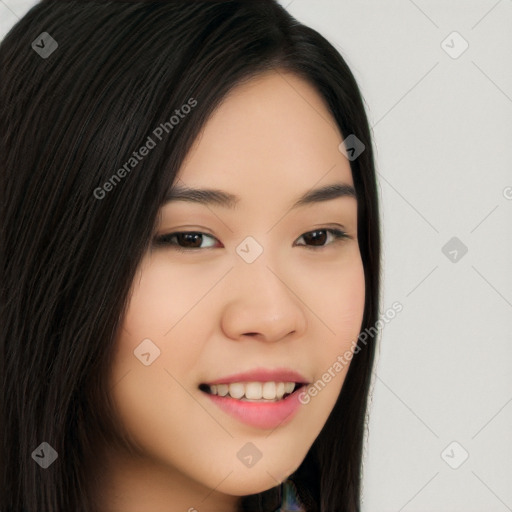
(264, 392)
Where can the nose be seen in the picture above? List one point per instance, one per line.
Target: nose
(263, 304)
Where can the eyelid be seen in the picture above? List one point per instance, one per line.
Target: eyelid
(339, 236)
(162, 240)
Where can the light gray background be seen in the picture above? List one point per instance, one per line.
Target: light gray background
(442, 129)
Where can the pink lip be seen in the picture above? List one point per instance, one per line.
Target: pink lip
(258, 414)
(262, 375)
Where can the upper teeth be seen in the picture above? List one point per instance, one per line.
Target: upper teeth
(254, 390)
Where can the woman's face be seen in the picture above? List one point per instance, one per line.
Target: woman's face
(265, 287)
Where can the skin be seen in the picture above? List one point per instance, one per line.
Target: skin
(270, 141)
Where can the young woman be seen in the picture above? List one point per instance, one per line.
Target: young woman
(190, 251)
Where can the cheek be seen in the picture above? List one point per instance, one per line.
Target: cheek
(347, 318)
(338, 305)
(157, 298)
(337, 302)
(153, 402)
(164, 298)
(161, 303)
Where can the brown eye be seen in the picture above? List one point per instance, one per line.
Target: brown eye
(318, 237)
(190, 241)
(183, 240)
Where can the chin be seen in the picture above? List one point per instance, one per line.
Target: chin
(247, 484)
(246, 481)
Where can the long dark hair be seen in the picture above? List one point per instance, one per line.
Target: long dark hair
(70, 119)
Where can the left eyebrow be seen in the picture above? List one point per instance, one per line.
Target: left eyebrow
(208, 196)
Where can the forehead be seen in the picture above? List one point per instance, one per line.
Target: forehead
(274, 129)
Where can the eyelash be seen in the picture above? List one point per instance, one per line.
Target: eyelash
(164, 240)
